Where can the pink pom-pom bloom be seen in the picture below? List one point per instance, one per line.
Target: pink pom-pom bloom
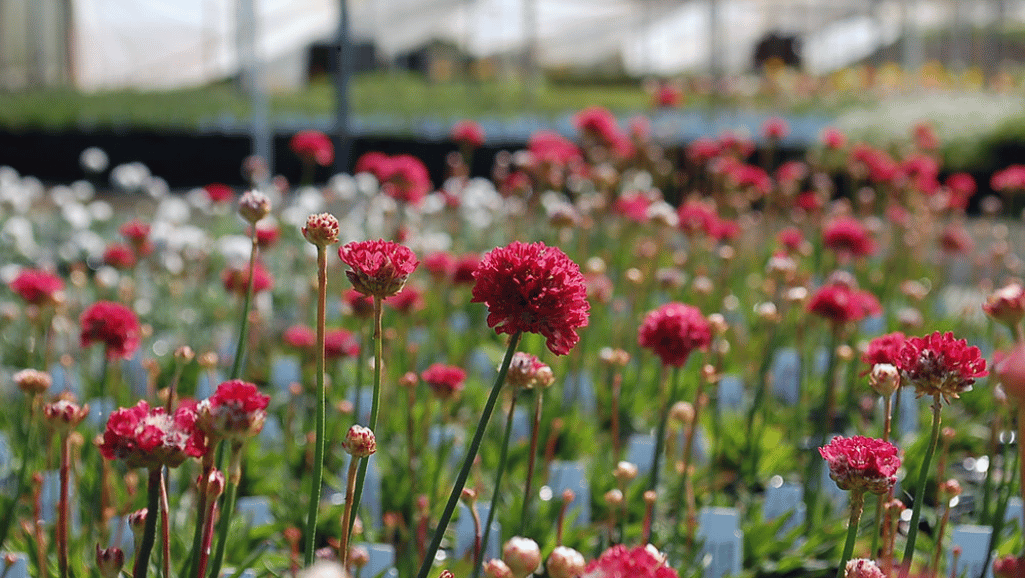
(940, 365)
(218, 192)
(119, 256)
(1006, 305)
(64, 414)
(621, 562)
(1010, 370)
(407, 301)
(469, 133)
(237, 280)
(1009, 180)
(300, 337)
(884, 349)
(848, 236)
(775, 129)
(533, 288)
(861, 464)
(840, 304)
(340, 343)
(378, 268)
(1008, 567)
(38, 287)
(313, 146)
(673, 331)
(360, 442)
(145, 437)
(862, 568)
(113, 325)
(446, 381)
(236, 411)
(833, 139)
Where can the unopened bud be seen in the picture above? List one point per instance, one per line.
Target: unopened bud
(614, 498)
(625, 472)
(321, 230)
(650, 497)
(497, 569)
(360, 442)
(184, 354)
(32, 381)
(565, 562)
(884, 379)
(109, 561)
(358, 557)
(253, 206)
(521, 555)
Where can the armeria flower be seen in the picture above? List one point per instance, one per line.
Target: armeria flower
(496, 568)
(464, 268)
(955, 240)
(135, 232)
(533, 288)
(300, 337)
(145, 437)
(527, 371)
(939, 364)
(236, 411)
(109, 561)
(1009, 566)
(840, 304)
(469, 133)
(860, 463)
(440, 264)
(340, 343)
(833, 139)
(522, 555)
(791, 239)
(884, 349)
(1006, 305)
(1010, 370)
(446, 381)
(253, 206)
(218, 192)
(358, 304)
(673, 331)
(1009, 180)
(32, 381)
(848, 236)
(775, 129)
(379, 268)
(236, 280)
(313, 146)
(862, 568)
(407, 301)
(408, 180)
(360, 442)
(622, 562)
(38, 287)
(565, 562)
(113, 325)
(64, 414)
(119, 256)
(267, 234)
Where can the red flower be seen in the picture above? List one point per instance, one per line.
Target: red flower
(884, 349)
(833, 139)
(379, 268)
(38, 287)
(135, 231)
(673, 331)
(469, 133)
(237, 280)
(633, 206)
(408, 300)
(621, 562)
(1008, 567)
(150, 437)
(1009, 180)
(358, 304)
(775, 129)
(112, 324)
(441, 264)
(667, 95)
(299, 337)
(859, 463)
(702, 150)
(313, 146)
(548, 147)
(791, 239)
(791, 172)
(408, 180)
(848, 236)
(1006, 305)
(841, 304)
(218, 193)
(119, 256)
(266, 234)
(533, 288)
(939, 364)
(340, 343)
(956, 240)
(446, 381)
(465, 267)
(235, 411)
(925, 136)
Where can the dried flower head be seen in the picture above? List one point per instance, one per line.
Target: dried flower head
(939, 364)
(253, 206)
(360, 442)
(321, 230)
(527, 371)
(378, 268)
(673, 331)
(535, 289)
(859, 463)
(32, 381)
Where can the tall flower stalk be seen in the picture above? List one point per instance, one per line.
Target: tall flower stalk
(360, 443)
(502, 456)
(322, 231)
(63, 416)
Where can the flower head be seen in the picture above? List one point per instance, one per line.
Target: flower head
(32, 381)
(496, 568)
(622, 562)
(446, 381)
(565, 562)
(109, 561)
(300, 337)
(848, 236)
(119, 256)
(469, 133)
(673, 331)
(236, 280)
(841, 304)
(113, 325)
(38, 287)
(884, 349)
(859, 463)
(218, 192)
(340, 343)
(253, 206)
(378, 268)
(148, 437)
(533, 288)
(235, 411)
(1006, 305)
(939, 364)
(313, 146)
(360, 442)
(522, 555)
(64, 414)
(1010, 370)
(321, 230)
(1008, 567)
(862, 568)
(527, 371)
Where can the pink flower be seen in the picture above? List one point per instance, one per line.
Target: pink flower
(533, 288)
(775, 129)
(135, 232)
(621, 562)
(38, 287)
(358, 304)
(407, 301)
(469, 133)
(527, 371)
(841, 304)
(465, 267)
(441, 264)
(673, 331)
(150, 437)
(218, 192)
(300, 337)
(955, 240)
(119, 256)
(848, 236)
(313, 146)
(64, 414)
(702, 150)
(925, 136)
(862, 568)
(445, 381)
(884, 349)
(833, 139)
(340, 343)
(548, 147)
(237, 280)
(667, 96)
(113, 325)
(859, 463)
(1006, 305)
(791, 238)
(940, 365)
(378, 268)
(633, 206)
(1009, 180)
(1010, 370)
(236, 411)
(408, 180)
(791, 172)
(1008, 567)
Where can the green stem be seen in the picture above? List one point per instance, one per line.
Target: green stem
(660, 437)
(224, 523)
(498, 478)
(812, 481)
(471, 454)
(243, 324)
(531, 461)
(318, 458)
(857, 505)
(923, 477)
(149, 531)
(883, 498)
(753, 441)
(361, 476)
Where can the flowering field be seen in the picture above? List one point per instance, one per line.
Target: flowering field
(606, 360)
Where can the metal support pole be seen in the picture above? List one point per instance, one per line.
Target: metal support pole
(251, 82)
(343, 70)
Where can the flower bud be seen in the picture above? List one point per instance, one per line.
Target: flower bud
(568, 495)
(862, 568)
(650, 497)
(358, 557)
(64, 415)
(360, 442)
(614, 498)
(109, 561)
(683, 412)
(625, 472)
(208, 360)
(214, 484)
(32, 381)
(137, 522)
(321, 230)
(950, 488)
(565, 562)
(253, 206)
(1006, 305)
(409, 380)
(468, 496)
(615, 357)
(184, 354)
(522, 555)
(446, 574)
(497, 569)
(884, 379)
